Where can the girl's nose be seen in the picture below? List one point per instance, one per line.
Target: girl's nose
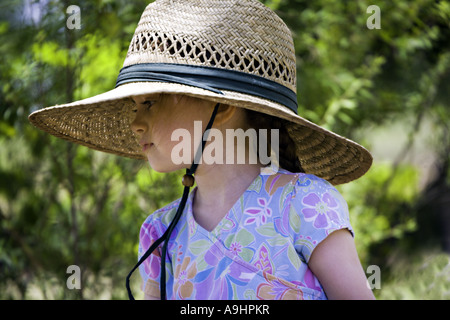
(138, 125)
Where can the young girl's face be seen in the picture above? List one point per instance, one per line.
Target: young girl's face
(158, 116)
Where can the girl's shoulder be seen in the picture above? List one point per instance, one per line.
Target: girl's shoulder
(296, 182)
(283, 189)
(310, 208)
(308, 189)
(163, 215)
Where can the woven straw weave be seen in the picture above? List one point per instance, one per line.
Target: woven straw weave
(236, 35)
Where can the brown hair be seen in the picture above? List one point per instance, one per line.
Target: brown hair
(288, 158)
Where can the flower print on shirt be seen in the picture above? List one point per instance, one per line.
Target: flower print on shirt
(320, 210)
(278, 289)
(263, 261)
(218, 279)
(184, 274)
(260, 250)
(238, 244)
(152, 264)
(282, 222)
(236, 248)
(258, 215)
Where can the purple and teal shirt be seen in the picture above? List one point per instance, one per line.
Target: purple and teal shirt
(259, 250)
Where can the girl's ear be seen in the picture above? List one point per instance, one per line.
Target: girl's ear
(224, 114)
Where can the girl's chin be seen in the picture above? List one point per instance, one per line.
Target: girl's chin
(163, 166)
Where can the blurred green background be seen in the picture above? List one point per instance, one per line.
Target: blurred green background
(388, 88)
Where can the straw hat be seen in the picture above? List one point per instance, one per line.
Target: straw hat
(236, 52)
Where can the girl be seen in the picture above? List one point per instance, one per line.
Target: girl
(249, 229)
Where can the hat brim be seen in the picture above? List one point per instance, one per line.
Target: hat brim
(102, 122)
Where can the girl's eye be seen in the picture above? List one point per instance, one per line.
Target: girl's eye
(148, 104)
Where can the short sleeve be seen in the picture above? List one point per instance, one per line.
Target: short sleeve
(150, 269)
(321, 209)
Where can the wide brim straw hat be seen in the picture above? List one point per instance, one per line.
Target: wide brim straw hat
(236, 52)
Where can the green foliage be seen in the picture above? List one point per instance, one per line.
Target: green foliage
(424, 278)
(62, 204)
(381, 205)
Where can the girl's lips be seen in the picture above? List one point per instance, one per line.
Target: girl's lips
(146, 146)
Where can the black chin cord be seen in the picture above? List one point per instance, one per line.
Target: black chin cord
(188, 182)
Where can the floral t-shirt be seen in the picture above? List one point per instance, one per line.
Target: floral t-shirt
(259, 250)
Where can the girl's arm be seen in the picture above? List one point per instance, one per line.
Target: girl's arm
(336, 264)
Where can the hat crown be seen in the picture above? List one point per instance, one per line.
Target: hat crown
(240, 35)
